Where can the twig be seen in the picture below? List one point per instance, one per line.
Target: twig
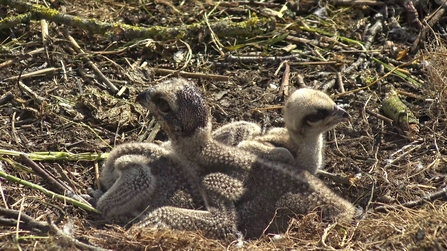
(402, 74)
(29, 223)
(368, 41)
(28, 55)
(284, 88)
(334, 177)
(97, 174)
(164, 72)
(315, 63)
(391, 162)
(391, 71)
(51, 156)
(11, 21)
(300, 81)
(63, 188)
(324, 236)
(330, 34)
(25, 222)
(424, 199)
(379, 116)
(339, 79)
(270, 107)
(313, 42)
(52, 194)
(188, 55)
(38, 73)
(13, 129)
(214, 38)
(263, 4)
(43, 173)
(89, 128)
(89, 79)
(38, 99)
(428, 24)
(44, 31)
(271, 59)
(357, 2)
(92, 65)
(409, 94)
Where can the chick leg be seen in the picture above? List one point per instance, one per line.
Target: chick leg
(134, 186)
(318, 197)
(214, 223)
(109, 174)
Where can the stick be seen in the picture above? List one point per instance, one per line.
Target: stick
(51, 194)
(92, 65)
(29, 223)
(413, 203)
(379, 116)
(164, 72)
(335, 177)
(434, 19)
(37, 73)
(284, 88)
(25, 221)
(43, 173)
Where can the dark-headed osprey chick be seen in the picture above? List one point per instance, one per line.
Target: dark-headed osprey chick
(258, 189)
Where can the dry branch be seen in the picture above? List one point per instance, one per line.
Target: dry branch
(424, 199)
(43, 173)
(10, 217)
(48, 192)
(63, 188)
(52, 156)
(37, 73)
(27, 56)
(92, 65)
(165, 72)
(428, 27)
(226, 28)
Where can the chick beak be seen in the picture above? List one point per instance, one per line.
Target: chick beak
(341, 115)
(144, 98)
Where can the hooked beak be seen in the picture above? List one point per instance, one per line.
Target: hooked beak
(144, 98)
(341, 115)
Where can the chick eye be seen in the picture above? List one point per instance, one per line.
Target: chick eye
(163, 105)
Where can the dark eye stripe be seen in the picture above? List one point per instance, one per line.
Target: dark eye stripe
(319, 115)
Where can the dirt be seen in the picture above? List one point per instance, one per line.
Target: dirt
(75, 112)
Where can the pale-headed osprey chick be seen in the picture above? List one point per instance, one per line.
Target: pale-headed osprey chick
(308, 114)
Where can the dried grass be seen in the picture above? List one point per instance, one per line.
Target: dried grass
(363, 150)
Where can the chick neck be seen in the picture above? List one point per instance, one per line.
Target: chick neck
(309, 148)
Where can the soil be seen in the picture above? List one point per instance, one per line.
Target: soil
(378, 161)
